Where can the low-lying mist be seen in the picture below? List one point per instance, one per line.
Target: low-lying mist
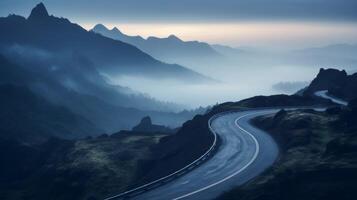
(236, 84)
(246, 73)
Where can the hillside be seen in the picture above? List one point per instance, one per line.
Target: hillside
(36, 120)
(318, 157)
(96, 167)
(81, 169)
(75, 85)
(60, 36)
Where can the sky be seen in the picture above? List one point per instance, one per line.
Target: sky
(261, 23)
(272, 24)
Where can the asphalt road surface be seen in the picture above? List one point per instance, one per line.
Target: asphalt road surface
(244, 153)
(324, 94)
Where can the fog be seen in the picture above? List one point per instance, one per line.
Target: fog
(290, 87)
(240, 72)
(249, 73)
(236, 84)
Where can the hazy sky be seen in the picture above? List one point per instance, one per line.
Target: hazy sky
(292, 23)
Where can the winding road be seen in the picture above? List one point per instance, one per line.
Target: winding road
(244, 153)
(324, 94)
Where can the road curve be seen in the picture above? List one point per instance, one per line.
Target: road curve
(244, 153)
(324, 94)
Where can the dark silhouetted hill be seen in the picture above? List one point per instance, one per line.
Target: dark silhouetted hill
(280, 100)
(39, 12)
(338, 83)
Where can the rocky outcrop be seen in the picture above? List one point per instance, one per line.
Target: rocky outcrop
(338, 83)
(146, 125)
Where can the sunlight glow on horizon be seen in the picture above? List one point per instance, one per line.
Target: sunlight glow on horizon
(255, 34)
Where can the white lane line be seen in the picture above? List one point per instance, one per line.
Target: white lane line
(185, 182)
(237, 172)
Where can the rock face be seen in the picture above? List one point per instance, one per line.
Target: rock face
(191, 141)
(146, 121)
(39, 12)
(337, 82)
(146, 125)
(327, 79)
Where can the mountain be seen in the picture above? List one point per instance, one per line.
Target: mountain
(39, 12)
(338, 83)
(346, 51)
(170, 49)
(112, 57)
(227, 50)
(64, 72)
(73, 83)
(341, 55)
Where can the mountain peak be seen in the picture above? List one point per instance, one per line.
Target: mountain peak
(100, 27)
(146, 121)
(116, 29)
(38, 12)
(174, 37)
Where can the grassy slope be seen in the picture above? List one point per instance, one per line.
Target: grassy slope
(90, 168)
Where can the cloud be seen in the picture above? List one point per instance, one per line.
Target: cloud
(188, 10)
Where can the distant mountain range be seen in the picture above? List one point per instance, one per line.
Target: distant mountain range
(202, 56)
(113, 57)
(334, 55)
(227, 50)
(58, 67)
(171, 49)
(71, 91)
(344, 50)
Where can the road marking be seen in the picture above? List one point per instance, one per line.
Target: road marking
(185, 182)
(237, 172)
